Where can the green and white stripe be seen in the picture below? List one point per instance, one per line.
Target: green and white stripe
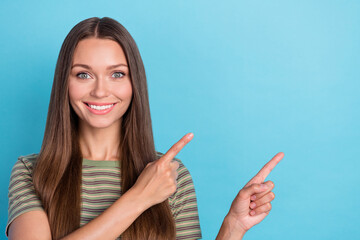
(100, 189)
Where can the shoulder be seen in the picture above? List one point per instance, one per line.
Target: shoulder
(29, 159)
(26, 161)
(22, 169)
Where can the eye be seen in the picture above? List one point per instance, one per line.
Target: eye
(83, 75)
(118, 74)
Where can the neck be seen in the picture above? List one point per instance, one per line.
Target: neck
(100, 143)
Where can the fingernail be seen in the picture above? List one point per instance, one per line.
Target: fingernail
(190, 135)
(253, 197)
(252, 213)
(264, 186)
(252, 205)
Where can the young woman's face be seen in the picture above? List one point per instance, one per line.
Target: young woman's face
(99, 84)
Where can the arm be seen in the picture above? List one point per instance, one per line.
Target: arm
(154, 185)
(251, 205)
(228, 230)
(114, 220)
(108, 225)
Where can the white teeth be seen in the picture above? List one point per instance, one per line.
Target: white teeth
(101, 107)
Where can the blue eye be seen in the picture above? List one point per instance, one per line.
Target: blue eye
(118, 74)
(83, 75)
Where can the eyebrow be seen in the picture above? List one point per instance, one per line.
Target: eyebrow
(88, 67)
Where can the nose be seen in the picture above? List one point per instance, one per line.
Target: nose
(100, 88)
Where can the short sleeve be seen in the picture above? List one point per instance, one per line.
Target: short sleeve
(22, 195)
(184, 206)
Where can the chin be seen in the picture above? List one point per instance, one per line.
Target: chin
(101, 124)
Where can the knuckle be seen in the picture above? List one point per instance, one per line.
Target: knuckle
(171, 181)
(157, 165)
(271, 184)
(177, 165)
(242, 194)
(168, 173)
(256, 179)
(268, 206)
(256, 186)
(174, 168)
(173, 188)
(272, 195)
(162, 165)
(176, 148)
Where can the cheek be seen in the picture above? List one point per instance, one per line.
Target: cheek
(125, 92)
(75, 91)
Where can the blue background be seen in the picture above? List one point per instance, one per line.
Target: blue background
(249, 78)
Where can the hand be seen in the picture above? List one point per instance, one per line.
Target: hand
(157, 181)
(252, 204)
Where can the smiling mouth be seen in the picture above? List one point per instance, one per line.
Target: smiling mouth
(99, 106)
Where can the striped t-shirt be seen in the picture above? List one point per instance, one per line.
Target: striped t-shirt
(100, 189)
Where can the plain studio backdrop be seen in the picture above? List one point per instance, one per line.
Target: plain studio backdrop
(249, 78)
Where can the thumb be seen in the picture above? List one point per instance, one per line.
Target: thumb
(246, 192)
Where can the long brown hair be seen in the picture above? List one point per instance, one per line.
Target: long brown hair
(57, 174)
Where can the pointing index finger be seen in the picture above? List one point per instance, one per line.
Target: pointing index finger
(268, 167)
(176, 148)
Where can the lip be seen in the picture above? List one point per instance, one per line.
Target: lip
(98, 104)
(99, 112)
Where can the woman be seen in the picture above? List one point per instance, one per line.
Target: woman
(97, 175)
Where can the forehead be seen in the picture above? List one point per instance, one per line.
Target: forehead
(95, 51)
